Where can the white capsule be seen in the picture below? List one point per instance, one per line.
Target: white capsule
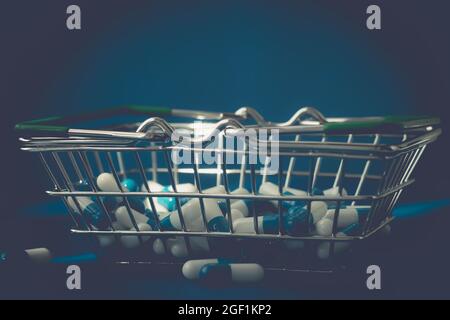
(130, 242)
(217, 189)
(318, 210)
(347, 216)
(107, 183)
(235, 215)
(239, 191)
(269, 189)
(332, 192)
(247, 226)
(39, 255)
(324, 227)
(241, 206)
(124, 219)
(295, 192)
(192, 215)
(191, 268)
(236, 272)
(154, 187)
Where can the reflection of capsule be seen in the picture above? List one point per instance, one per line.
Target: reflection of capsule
(324, 248)
(179, 249)
(217, 273)
(130, 242)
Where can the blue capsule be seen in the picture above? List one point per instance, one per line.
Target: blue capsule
(170, 203)
(130, 185)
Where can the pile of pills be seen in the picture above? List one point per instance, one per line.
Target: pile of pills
(298, 218)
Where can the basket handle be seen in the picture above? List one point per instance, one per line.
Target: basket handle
(60, 125)
(388, 124)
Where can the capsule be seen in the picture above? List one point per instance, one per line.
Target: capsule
(130, 242)
(90, 210)
(123, 217)
(35, 255)
(193, 217)
(154, 187)
(191, 268)
(233, 272)
(107, 183)
(170, 203)
(347, 217)
(323, 250)
(294, 223)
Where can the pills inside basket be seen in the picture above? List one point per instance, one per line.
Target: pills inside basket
(182, 210)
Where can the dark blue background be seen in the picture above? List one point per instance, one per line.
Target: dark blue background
(273, 55)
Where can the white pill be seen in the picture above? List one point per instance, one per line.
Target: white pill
(217, 189)
(154, 187)
(107, 183)
(347, 216)
(318, 210)
(269, 189)
(39, 255)
(191, 268)
(295, 192)
(192, 215)
(239, 191)
(130, 242)
(236, 272)
(124, 219)
(324, 227)
(240, 205)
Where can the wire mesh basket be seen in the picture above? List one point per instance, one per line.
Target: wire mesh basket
(293, 195)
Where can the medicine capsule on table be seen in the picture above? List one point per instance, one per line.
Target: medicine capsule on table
(35, 255)
(191, 268)
(233, 272)
(324, 248)
(130, 242)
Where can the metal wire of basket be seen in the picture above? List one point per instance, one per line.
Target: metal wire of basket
(369, 161)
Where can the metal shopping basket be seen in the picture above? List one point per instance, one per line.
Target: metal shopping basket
(367, 161)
